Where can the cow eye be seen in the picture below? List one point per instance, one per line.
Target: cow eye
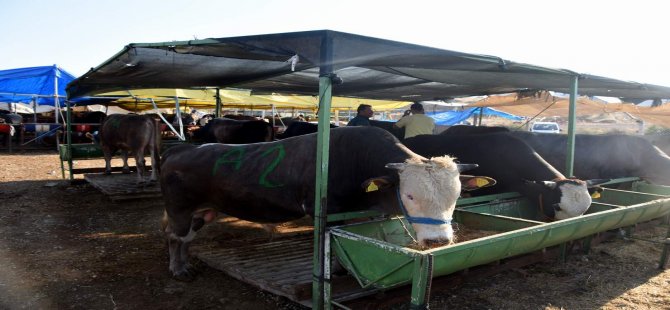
(410, 197)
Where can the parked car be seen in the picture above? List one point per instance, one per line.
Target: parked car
(545, 127)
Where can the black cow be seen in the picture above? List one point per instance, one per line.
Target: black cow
(274, 182)
(132, 133)
(516, 167)
(467, 129)
(300, 128)
(603, 156)
(224, 130)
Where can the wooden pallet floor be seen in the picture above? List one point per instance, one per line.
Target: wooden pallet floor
(120, 187)
(282, 267)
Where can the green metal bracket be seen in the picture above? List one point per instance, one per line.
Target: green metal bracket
(423, 275)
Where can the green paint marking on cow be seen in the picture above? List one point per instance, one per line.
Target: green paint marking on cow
(233, 156)
(280, 156)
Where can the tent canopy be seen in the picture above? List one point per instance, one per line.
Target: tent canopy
(289, 63)
(140, 99)
(25, 84)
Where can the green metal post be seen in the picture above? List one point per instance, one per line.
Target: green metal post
(572, 119)
(217, 112)
(563, 252)
(321, 186)
(421, 279)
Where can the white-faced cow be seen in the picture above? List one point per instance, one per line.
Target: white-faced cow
(516, 167)
(274, 182)
(231, 131)
(131, 133)
(604, 156)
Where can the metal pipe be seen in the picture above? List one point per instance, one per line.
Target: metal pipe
(321, 186)
(572, 119)
(68, 137)
(217, 112)
(56, 102)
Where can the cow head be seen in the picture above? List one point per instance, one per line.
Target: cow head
(429, 189)
(565, 198)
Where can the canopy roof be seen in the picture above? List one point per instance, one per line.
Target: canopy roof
(290, 63)
(25, 84)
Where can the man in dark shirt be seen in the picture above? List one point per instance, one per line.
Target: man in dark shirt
(363, 116)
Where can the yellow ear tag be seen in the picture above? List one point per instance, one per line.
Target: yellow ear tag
(481, 182)
(595, 195)
(372, 187)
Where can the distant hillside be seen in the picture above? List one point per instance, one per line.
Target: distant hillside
(547, 106)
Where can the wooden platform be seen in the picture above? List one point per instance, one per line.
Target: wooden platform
(120, 187)
(282, 267)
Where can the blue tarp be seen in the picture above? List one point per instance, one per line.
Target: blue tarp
(454, 117)
(24, 84)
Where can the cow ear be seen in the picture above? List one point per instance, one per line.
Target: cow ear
(472, 182)
(374, 184)
(595, 182)
(595, 191)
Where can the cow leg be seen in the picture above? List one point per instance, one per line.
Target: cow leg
(140, 163)
(107, 153)
(186, 225)
(154, 165)
(179, 266)
(124, 156)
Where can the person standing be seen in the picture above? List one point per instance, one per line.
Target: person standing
(416, 122)
(364, 112)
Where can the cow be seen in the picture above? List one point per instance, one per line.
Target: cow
(132, 133)
(224, 130)
(296, 128)
(467, 129)
(241, 117)
(603, 156)
(516, 167)
(274, 182)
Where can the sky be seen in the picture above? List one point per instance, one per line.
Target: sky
(626, 40)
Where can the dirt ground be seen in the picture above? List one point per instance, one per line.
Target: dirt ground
(68, 246)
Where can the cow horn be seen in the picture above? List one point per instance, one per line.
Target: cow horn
(396, 166)
(466, 167)
(549, 184)
(594, 182)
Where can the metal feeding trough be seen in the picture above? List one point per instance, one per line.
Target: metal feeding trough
(382, 254)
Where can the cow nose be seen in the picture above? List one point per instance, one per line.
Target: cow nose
(434, 243)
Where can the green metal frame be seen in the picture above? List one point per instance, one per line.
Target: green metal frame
(359, 246)
(321, 187)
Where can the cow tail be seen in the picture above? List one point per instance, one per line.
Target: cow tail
(157, 144)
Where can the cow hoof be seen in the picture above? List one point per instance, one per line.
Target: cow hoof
(125, 171)
(108, 172)
(187, 274)
(184, 277)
